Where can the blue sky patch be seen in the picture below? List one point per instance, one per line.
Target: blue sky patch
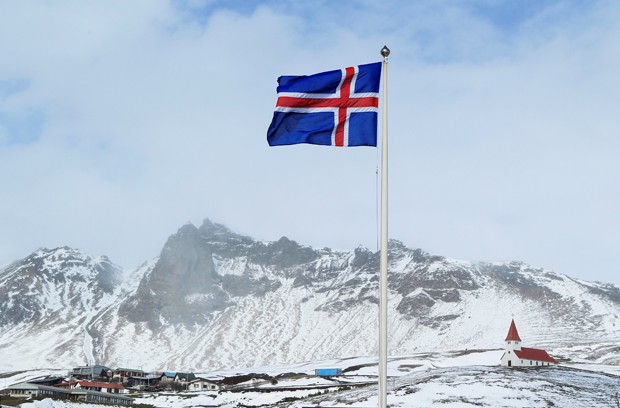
(22, 128)
(11, 87)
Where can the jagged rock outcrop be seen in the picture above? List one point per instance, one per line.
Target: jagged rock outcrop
(182, 287)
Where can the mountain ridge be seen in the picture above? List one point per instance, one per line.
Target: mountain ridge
(215, 299)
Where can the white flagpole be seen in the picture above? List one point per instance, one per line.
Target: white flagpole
(383, 285)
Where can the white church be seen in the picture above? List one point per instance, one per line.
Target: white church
(517, 356)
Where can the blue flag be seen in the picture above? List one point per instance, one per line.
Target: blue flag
(334, 108)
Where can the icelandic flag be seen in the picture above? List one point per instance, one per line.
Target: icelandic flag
(334, 108)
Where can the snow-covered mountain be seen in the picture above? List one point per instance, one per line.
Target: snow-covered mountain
(48, 301)
(215, 299)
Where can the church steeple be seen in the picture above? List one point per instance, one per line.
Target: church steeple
(513, 341)
(513, 334)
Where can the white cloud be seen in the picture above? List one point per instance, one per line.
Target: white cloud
(502, 141)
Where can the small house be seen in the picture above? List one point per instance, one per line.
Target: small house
(113, 388)
(123, 374)
(517, 356)
(202, 384)
(150, 380)
(168, 376)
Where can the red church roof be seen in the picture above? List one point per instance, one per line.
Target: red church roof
(534, 354)
(513, 335)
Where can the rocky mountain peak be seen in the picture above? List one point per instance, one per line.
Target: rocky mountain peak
(183, 285)
(64, 262)
(49, 280)
(213, 229)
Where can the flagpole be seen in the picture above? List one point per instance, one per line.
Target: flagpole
(383, 289)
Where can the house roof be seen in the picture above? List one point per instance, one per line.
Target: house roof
(90, 367)
(66, 384)
(100, 384)
(146, 377)
(186, 376)
(169, 374)
(201, 379)
(534, 354)
(28, 386)
(513, 334)
(45, 380)
(134, 370)
(24, 386)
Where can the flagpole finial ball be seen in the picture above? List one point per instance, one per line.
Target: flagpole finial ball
(385, 51)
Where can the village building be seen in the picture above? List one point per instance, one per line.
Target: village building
(102, 397)
(202, 384)
(144, 382)
(123, 374)
(517, 356)
(28, 390)
(113, 388)
(91, 372)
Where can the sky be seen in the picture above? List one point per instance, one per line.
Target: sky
(120, 121)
